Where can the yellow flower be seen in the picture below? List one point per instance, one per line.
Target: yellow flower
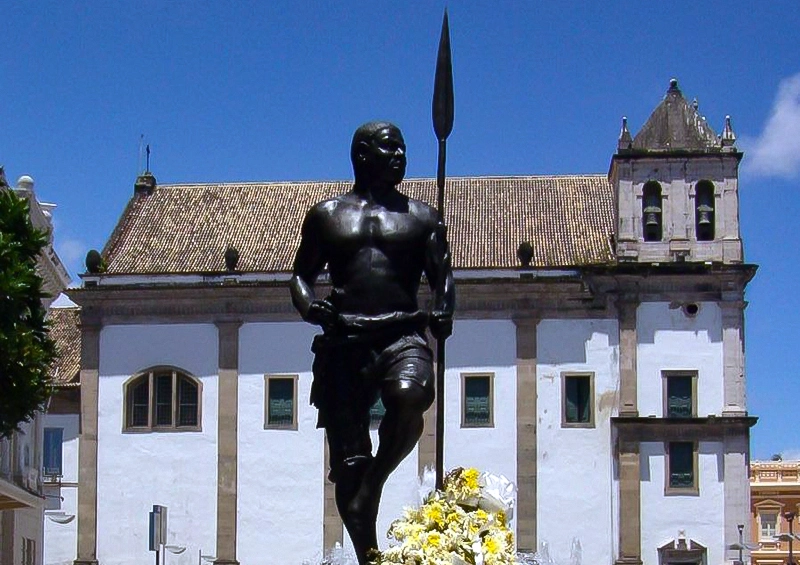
(433, 539)
(491, 545)
(433, 513)
(470, 477)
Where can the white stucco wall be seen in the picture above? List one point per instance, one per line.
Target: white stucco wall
(670, 340)
(280, 471)
(174, 469)
(699, 517)
(574, 482)
(482, 346)
(60, 539)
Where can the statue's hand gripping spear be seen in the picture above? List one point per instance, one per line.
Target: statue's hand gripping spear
(442, 124)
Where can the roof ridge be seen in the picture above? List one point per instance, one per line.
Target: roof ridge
(349, 181)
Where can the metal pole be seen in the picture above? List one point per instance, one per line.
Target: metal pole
(790, 518)
(442, 110)
(740, 527)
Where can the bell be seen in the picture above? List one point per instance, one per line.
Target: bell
(651, 215)
(704, 215)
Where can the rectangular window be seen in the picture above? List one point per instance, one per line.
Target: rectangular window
(28, 551)
(53, 439)
(163, 386)
(281, 402)
(681, 466)
(477, 400)
(187, 403)
(680, 398)
(376, 414)
(578, 400)
(140, 404)
(769, 525)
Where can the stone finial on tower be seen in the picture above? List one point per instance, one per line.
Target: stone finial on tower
(625, 140)
(25, 184)
(728, 138)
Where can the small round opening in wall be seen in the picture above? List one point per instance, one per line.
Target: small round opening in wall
(691, 309)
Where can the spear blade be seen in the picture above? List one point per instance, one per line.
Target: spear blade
(443, 85)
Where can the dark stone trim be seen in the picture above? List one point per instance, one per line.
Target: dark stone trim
(681, 429)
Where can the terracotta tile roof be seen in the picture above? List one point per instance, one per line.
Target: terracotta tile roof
(65, 332)
(186, 228)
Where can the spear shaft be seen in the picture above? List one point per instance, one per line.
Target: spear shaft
(442, 110)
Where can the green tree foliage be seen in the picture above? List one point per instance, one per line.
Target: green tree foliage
(26, 351)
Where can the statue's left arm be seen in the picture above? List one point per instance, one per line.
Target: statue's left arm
(438, 270)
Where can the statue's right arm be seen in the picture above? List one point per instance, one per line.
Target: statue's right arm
(308, 264)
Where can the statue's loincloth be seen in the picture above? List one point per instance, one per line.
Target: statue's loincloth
(351, 366)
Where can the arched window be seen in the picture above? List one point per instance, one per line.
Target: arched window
(651, 212)
(162, 398)
(704, 211)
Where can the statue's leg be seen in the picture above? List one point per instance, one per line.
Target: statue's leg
(360, 527)
(402, 425)
(350, 456)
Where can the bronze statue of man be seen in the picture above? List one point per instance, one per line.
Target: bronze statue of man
(376, 243)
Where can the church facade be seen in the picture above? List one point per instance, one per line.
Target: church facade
(597, 361)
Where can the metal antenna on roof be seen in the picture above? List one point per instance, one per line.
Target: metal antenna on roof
(141, 155)
(148, 158)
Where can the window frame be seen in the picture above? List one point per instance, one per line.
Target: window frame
(672, 373)
(149, 374)
(46, 450)
(464, 378)
(769, 507)
(592, 405)
(694, 488)
(294, 378)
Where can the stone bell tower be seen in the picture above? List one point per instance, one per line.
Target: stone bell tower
(676, 187)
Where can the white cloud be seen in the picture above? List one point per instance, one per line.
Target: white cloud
(776, 151)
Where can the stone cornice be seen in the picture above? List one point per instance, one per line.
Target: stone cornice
(590, 294)
(680, 429)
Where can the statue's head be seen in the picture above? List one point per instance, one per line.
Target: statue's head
(378, 153)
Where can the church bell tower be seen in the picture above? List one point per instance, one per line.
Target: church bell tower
(676, 186)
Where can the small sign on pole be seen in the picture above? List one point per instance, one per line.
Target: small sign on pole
(158, 530)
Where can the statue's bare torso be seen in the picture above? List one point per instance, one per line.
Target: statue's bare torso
(375, 250)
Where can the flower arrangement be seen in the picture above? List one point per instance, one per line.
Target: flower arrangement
(465, 524)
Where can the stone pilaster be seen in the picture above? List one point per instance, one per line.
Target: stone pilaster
(736, 489)
(630, 500)
(332, 527)
(427, 443)
(87, 451)
(733, 358)
(227, 441)
(7, 536)
(526, 434)
(628, 403)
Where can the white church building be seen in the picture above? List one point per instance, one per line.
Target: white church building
(597, 361)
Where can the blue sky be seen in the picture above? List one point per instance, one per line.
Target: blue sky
(246, 91)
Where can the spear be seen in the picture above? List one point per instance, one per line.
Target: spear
(442, 124)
